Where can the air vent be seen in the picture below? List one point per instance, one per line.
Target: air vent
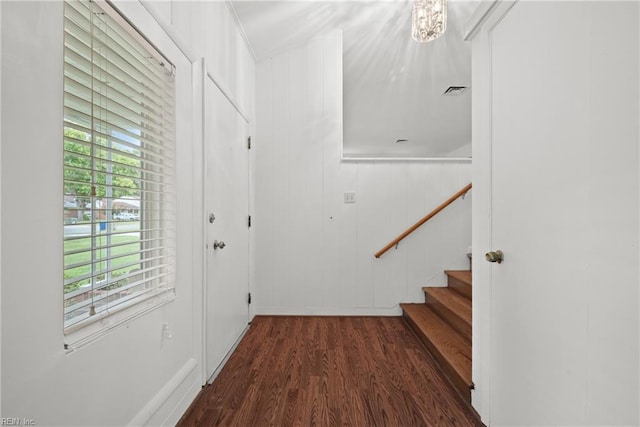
(401, 141)
(455, 90)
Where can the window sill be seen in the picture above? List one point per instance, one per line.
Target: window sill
(102, 324)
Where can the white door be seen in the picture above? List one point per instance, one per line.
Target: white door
(538, 218)
(564, 210)
(227, 237)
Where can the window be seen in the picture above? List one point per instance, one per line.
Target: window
(119, 168)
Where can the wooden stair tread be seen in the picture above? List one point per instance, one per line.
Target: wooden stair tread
(449, 348)
(462, 275)
(460, 281)
(456, 303)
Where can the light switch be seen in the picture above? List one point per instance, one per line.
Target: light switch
(349, 197)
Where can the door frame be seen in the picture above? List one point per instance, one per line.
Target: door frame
(479, 31)
(200, 76)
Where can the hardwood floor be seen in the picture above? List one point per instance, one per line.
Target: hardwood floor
(329, 371)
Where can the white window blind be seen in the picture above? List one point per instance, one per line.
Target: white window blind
(119, 167)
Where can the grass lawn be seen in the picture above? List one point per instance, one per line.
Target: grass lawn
(133, 245)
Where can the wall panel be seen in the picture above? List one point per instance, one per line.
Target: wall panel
(323, 261)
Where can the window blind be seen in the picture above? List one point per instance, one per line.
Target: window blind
(119, 166)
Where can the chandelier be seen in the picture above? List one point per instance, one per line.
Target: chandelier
(428, 20)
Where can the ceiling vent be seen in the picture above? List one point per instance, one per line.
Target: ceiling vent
(455, 90)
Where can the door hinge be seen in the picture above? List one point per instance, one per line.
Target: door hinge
(249, 143)
(249, 298)
(249, 221)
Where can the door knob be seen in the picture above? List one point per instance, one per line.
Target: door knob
(218, 245)
(496, 256)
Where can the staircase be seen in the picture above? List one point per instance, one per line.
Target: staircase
(443, 324)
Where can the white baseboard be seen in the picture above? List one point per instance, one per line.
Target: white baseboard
(183, 405)
(168, 405)
(332, 311)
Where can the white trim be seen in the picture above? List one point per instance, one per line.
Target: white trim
(199, 221)
(236, 18)
(250, 214)
(487, 15)
(216, 372)
(204, 248)
(228, 96)
(481, 219)
(157, 402)
(477, 20)
(497, 14)
(105, 322)
(328, 311)
(181, 407)
(0, 205)
(407, 159)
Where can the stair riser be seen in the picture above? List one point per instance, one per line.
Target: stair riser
(460, 287)
(452, 376)
(457, 323)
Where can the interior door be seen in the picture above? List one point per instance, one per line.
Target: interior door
(536, 219)
(555, 168)
(227, 239)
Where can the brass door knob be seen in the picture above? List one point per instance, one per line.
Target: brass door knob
(496, 256)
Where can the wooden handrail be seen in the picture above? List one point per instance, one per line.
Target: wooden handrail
(423, 220)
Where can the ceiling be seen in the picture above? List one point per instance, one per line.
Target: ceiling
(392, 85)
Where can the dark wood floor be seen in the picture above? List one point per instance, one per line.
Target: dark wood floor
(329, 371)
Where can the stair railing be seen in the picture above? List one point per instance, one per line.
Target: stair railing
(415, 226)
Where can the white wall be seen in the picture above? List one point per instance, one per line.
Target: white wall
(207, 29)
(314, 253)
(130, 375)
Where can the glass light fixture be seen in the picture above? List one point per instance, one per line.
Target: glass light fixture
(428, 20)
